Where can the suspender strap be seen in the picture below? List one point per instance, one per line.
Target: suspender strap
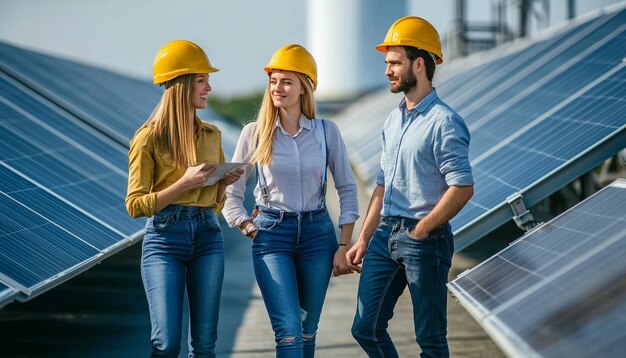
(320, 135)
(265, 193)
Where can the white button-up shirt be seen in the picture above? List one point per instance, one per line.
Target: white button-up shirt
(295, 175)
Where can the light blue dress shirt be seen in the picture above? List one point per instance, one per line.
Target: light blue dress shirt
(425, 151)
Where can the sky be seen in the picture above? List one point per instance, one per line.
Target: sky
(239, 36)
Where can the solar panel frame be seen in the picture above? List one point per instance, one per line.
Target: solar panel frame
(7, 294)
(490, 305)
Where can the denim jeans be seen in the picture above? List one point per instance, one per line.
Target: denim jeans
(183, 248)
(394, 260)
(293, 260)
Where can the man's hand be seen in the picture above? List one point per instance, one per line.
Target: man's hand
(354, 256)
(418, 232)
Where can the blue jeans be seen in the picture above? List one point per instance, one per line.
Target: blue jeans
(293, 261)
(393, 260)
(183, 248)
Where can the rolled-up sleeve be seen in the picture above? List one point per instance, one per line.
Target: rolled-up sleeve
(234, 211)
(139, 200)
(342, 174)
(451, 149)
(380, 178)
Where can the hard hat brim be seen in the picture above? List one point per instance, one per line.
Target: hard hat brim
(164, 77)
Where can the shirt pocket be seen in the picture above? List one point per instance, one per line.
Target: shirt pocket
(210, 154)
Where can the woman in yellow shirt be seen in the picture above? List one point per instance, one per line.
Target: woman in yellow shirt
(170, 159)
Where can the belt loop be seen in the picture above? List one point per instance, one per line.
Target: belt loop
(177, 212)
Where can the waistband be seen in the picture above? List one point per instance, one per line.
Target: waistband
(409, 223)
(289, 214)
(175, 209)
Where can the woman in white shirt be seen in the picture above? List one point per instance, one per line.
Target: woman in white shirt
(294, 246)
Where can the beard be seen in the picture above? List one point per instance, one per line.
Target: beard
(407, 83)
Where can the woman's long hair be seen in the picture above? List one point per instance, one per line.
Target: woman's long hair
(172, 121)
(268, 115)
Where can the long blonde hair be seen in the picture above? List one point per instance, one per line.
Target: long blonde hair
(268, 115)
(172, 121)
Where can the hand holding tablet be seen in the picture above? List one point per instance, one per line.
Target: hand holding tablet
(221, 170)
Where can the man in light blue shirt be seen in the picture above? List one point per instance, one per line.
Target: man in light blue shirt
(425, 179)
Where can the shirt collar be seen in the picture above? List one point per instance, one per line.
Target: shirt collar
(304, 123)
(203, 126)
(423, 105)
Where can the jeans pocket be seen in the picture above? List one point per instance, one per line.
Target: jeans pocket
(160, 221)
(265, 222)
(211, 220)
(407, 233)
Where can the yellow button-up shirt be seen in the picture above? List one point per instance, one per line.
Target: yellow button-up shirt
(151, 170)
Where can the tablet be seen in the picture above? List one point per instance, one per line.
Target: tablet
(221, 170)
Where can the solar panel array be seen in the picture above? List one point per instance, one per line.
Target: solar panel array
(94, 95)
(63, 167)
(540, 112)
(559, 291)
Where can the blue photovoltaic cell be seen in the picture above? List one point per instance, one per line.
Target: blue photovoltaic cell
(120, 103)
(560, 290)
(468, 86)
(73, 162)
(55, 210)
(33, 249)
(549, 144)
(115, 104)
(530, 78)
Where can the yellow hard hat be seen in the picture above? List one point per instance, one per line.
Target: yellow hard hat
(294, 58)
(180, 57)
(415, 32)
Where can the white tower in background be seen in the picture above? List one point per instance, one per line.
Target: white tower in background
(341, 36)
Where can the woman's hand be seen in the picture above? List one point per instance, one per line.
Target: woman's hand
(340, 264)
(193, 178)
(231, 177)
(196, 176)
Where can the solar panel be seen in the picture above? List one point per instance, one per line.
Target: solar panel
(541, 113)
(503, 66)
(570, 138)
(560, 290)
(95, 93)
(64, 156)
(114, 104)
(62, 188)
